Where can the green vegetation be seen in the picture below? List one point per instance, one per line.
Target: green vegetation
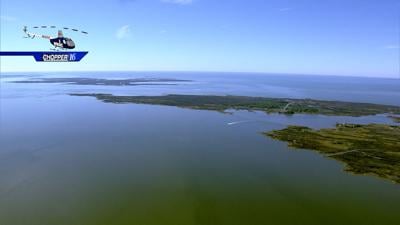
(269, 105)
(395, 118)
(365, 149)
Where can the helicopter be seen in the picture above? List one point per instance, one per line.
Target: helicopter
(59, 42)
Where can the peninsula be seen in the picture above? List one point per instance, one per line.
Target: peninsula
(269, 105)
(372, 149)
(396, 119)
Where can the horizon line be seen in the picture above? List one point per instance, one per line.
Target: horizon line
(209, 71)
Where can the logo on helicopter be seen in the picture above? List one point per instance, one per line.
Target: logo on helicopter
(70, 57)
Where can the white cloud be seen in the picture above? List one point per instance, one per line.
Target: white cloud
(285, 9)
(8, 18)
(391, 47)
(179, 2)
(123, 32)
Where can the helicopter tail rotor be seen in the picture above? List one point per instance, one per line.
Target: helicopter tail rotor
(25, 30)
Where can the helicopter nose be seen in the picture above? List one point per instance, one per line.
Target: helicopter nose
(71, 44)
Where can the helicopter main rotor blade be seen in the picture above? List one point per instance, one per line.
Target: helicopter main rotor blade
(65, 28)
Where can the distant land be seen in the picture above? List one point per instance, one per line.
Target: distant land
(269, 105)
(106, 82)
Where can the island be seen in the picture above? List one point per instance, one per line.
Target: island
(269, 105)
(372, 149)
(100, 81)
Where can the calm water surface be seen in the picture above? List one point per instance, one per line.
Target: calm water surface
(76, 160)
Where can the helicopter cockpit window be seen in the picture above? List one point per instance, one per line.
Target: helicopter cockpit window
(70, 42)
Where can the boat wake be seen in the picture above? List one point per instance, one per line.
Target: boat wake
(238, 122)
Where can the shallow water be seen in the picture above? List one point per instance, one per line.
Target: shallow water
(76, 160)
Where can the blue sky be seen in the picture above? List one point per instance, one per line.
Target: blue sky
(335, 37)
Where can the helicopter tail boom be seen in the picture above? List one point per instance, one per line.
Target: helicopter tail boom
(33, 35)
